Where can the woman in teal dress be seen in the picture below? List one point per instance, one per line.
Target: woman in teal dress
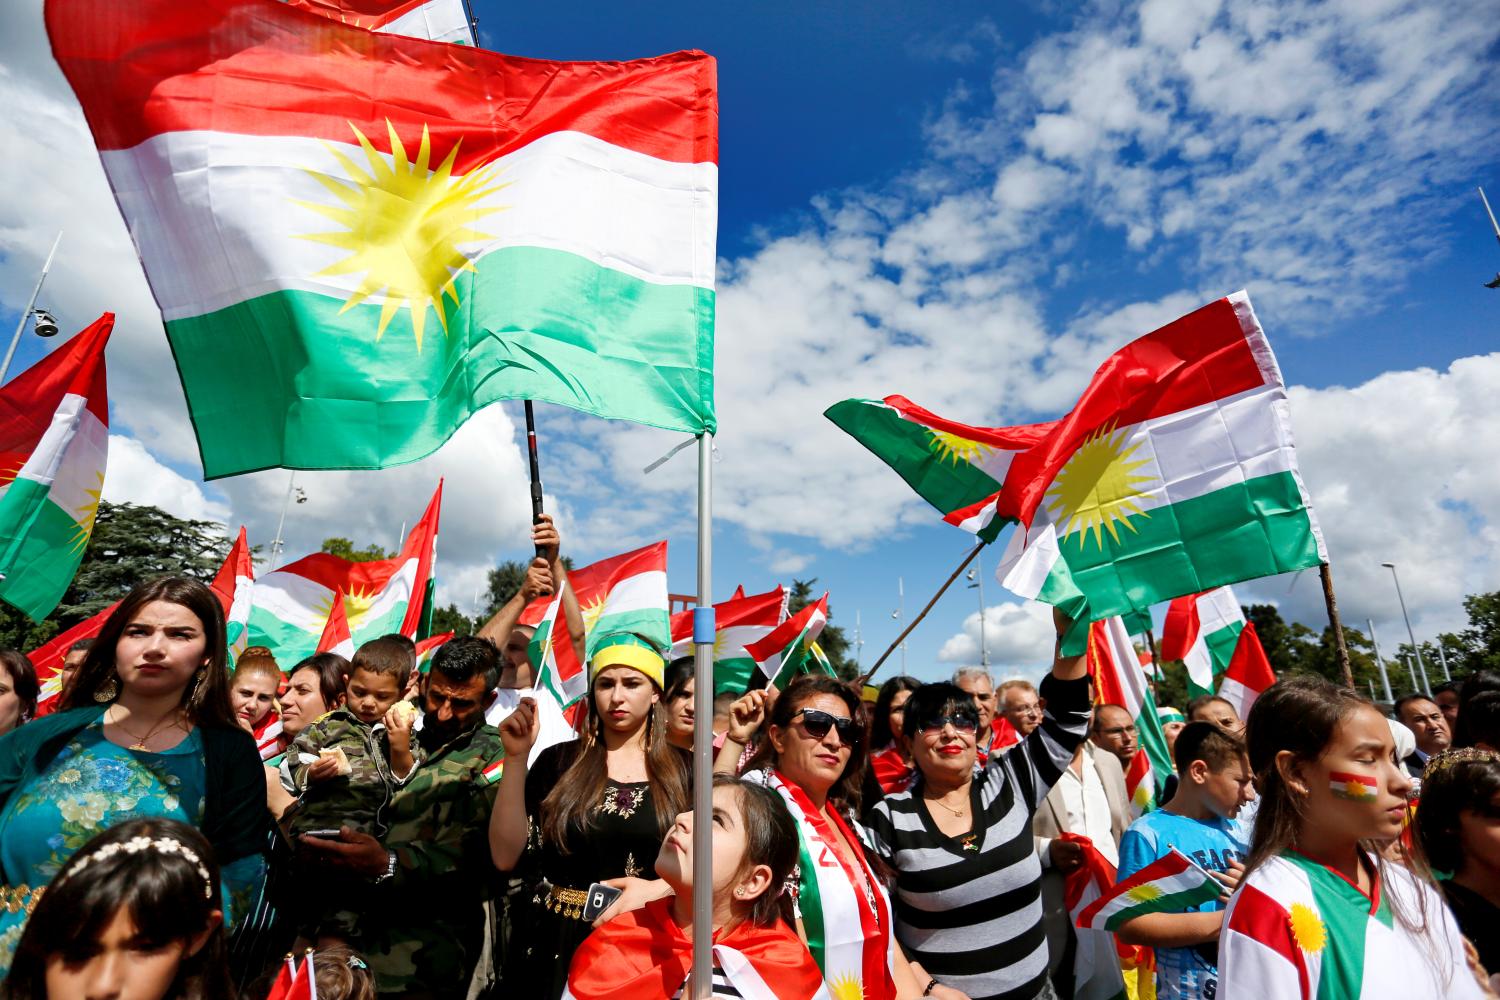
(146, 730)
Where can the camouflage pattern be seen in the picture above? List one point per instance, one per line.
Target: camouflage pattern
(424, 928)
(357, 800)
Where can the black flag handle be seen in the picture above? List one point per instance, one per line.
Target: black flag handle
(536, 469)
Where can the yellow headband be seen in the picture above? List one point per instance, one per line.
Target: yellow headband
(636, 657)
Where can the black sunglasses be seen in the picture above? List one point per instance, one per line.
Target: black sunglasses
(818, 723)
(962, 723)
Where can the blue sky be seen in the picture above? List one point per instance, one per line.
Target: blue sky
(972, 205)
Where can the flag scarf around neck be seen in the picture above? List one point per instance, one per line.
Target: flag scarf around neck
(1119, 680)
(438, 20)
(848, 930)
(644, 953)
(1175, 473)
(54, 439)
(790, 648)
(234, 586)
(48, 658)
(1171, 884)
(624, 593)
(1249, 673)
(955, 467)
(357, 240)
(1202, 631)
(1096, 958)
(291, 605)
(739, 622)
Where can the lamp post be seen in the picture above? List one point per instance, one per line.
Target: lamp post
(46, 326)
(976, 573)
(278, 543)
(1421, 667)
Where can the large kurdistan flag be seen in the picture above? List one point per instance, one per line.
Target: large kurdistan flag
(958, 468)
(359, 239)
(439, 20)
(1175, 473)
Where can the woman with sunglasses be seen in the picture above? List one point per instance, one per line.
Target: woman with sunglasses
(814, 758)
(968, 882)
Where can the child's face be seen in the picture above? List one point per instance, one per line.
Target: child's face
(675, 862)
(370, 695)
(116, 965)
(1357, 790)
(1228, 789)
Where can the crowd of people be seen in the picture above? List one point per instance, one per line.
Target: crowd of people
(174, 828)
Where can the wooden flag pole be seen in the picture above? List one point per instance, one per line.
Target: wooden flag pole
(921, 614)
(1338, 628)
(536, 468)
(1157, 670)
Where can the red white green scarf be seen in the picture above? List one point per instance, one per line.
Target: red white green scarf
(845, 911)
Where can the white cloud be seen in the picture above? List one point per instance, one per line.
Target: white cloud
(1018, 636)
(134, 475)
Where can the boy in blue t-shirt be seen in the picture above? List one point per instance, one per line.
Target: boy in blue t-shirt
(1213, 783)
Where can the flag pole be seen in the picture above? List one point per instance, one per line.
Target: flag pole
(923, 613)
(1333, 621)
(536, 469)
(703, 737)
(1156, 667)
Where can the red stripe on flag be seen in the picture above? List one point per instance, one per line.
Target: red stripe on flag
(1179, 630)
(1250, 667)
(422, 543)
(368, 14)
(1007, 438)
(30, 400)
(1202, 357)
(1256, 915)
(258, 67)
(1167, 866)
(48, 658)
(594, 581)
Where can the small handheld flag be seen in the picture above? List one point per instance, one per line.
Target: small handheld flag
(1172, 884)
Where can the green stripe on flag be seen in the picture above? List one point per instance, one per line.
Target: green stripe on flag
(1176, 902)
(810, 903)
(287, 379)
(40, 548)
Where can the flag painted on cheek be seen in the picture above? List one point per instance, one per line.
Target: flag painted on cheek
(1354, 787)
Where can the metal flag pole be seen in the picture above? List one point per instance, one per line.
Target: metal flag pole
(1443, 659)
(704, 629)
(30, 305)
(278, 543)
(1415, 649)
(976, 573)
(1385, 679)
(901, 639)
(1415, 687)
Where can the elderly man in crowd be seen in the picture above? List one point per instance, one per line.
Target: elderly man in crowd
(1021, 706)
(993, 732)
(423, 929)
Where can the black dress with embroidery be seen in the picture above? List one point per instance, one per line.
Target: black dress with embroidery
(623, 839)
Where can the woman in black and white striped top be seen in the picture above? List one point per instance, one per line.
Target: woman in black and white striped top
(968, 883)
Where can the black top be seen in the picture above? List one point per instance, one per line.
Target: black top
(1478, 918)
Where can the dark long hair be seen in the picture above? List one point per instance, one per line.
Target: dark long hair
(162, 891)
(1454, 782)
(22, 681)
(770, 840)
(846, 791)
(572, 802)
(206, 699)
(1476, 684)
(880, 728)
(332, 670)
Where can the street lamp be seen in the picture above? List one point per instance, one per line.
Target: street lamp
(46, 326)
(1421, 667)
(976, 574)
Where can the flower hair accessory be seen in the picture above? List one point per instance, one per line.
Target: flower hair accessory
(135, 845)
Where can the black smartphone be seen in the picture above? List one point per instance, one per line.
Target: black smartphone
(600, 896)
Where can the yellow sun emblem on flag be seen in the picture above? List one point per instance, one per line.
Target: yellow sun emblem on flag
(1307, 928)
(357, 605)
(402, 225)
(87, 515)
(1098, 488)
(591, 613)
(1144, 893)
(846, 987)
(952, 447)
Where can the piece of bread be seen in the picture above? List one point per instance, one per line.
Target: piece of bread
(404, 712)
(337, 753)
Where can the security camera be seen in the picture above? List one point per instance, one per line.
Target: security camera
(46, 326)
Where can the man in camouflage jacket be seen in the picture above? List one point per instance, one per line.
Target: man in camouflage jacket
(432, 873)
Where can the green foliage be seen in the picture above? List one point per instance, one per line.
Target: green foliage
(1476, 647)
(1293, 648)
(344, 549)
(450, 619)
(833, 641)
(504, 581)
(130, 543)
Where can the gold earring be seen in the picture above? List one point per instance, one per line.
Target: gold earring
(108, 691)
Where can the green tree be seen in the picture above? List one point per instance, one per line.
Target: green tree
(130, 543)
(504, 581)
(833, 641)
(344, 549)
(450, 619)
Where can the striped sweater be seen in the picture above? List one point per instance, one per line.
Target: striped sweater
(969, 908)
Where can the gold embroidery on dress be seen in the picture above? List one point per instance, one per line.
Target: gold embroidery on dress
(622, 802)
(632, 870)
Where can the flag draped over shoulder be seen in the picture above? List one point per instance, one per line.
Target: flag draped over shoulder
(357, 240)
(292, 604)
(739, 622)
(438, 20)
(1202, 630)
(955, 467)
(54, 438)
(1119, 679)
(791, 648)
(234, 586)
(1175, 473)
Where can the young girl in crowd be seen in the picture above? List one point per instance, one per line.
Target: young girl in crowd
(133, 915)
(252, 694)
(647, 954)
(1319, 913)
(342, 975)
(1457, 826)
(891, 769)
(590, 810)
